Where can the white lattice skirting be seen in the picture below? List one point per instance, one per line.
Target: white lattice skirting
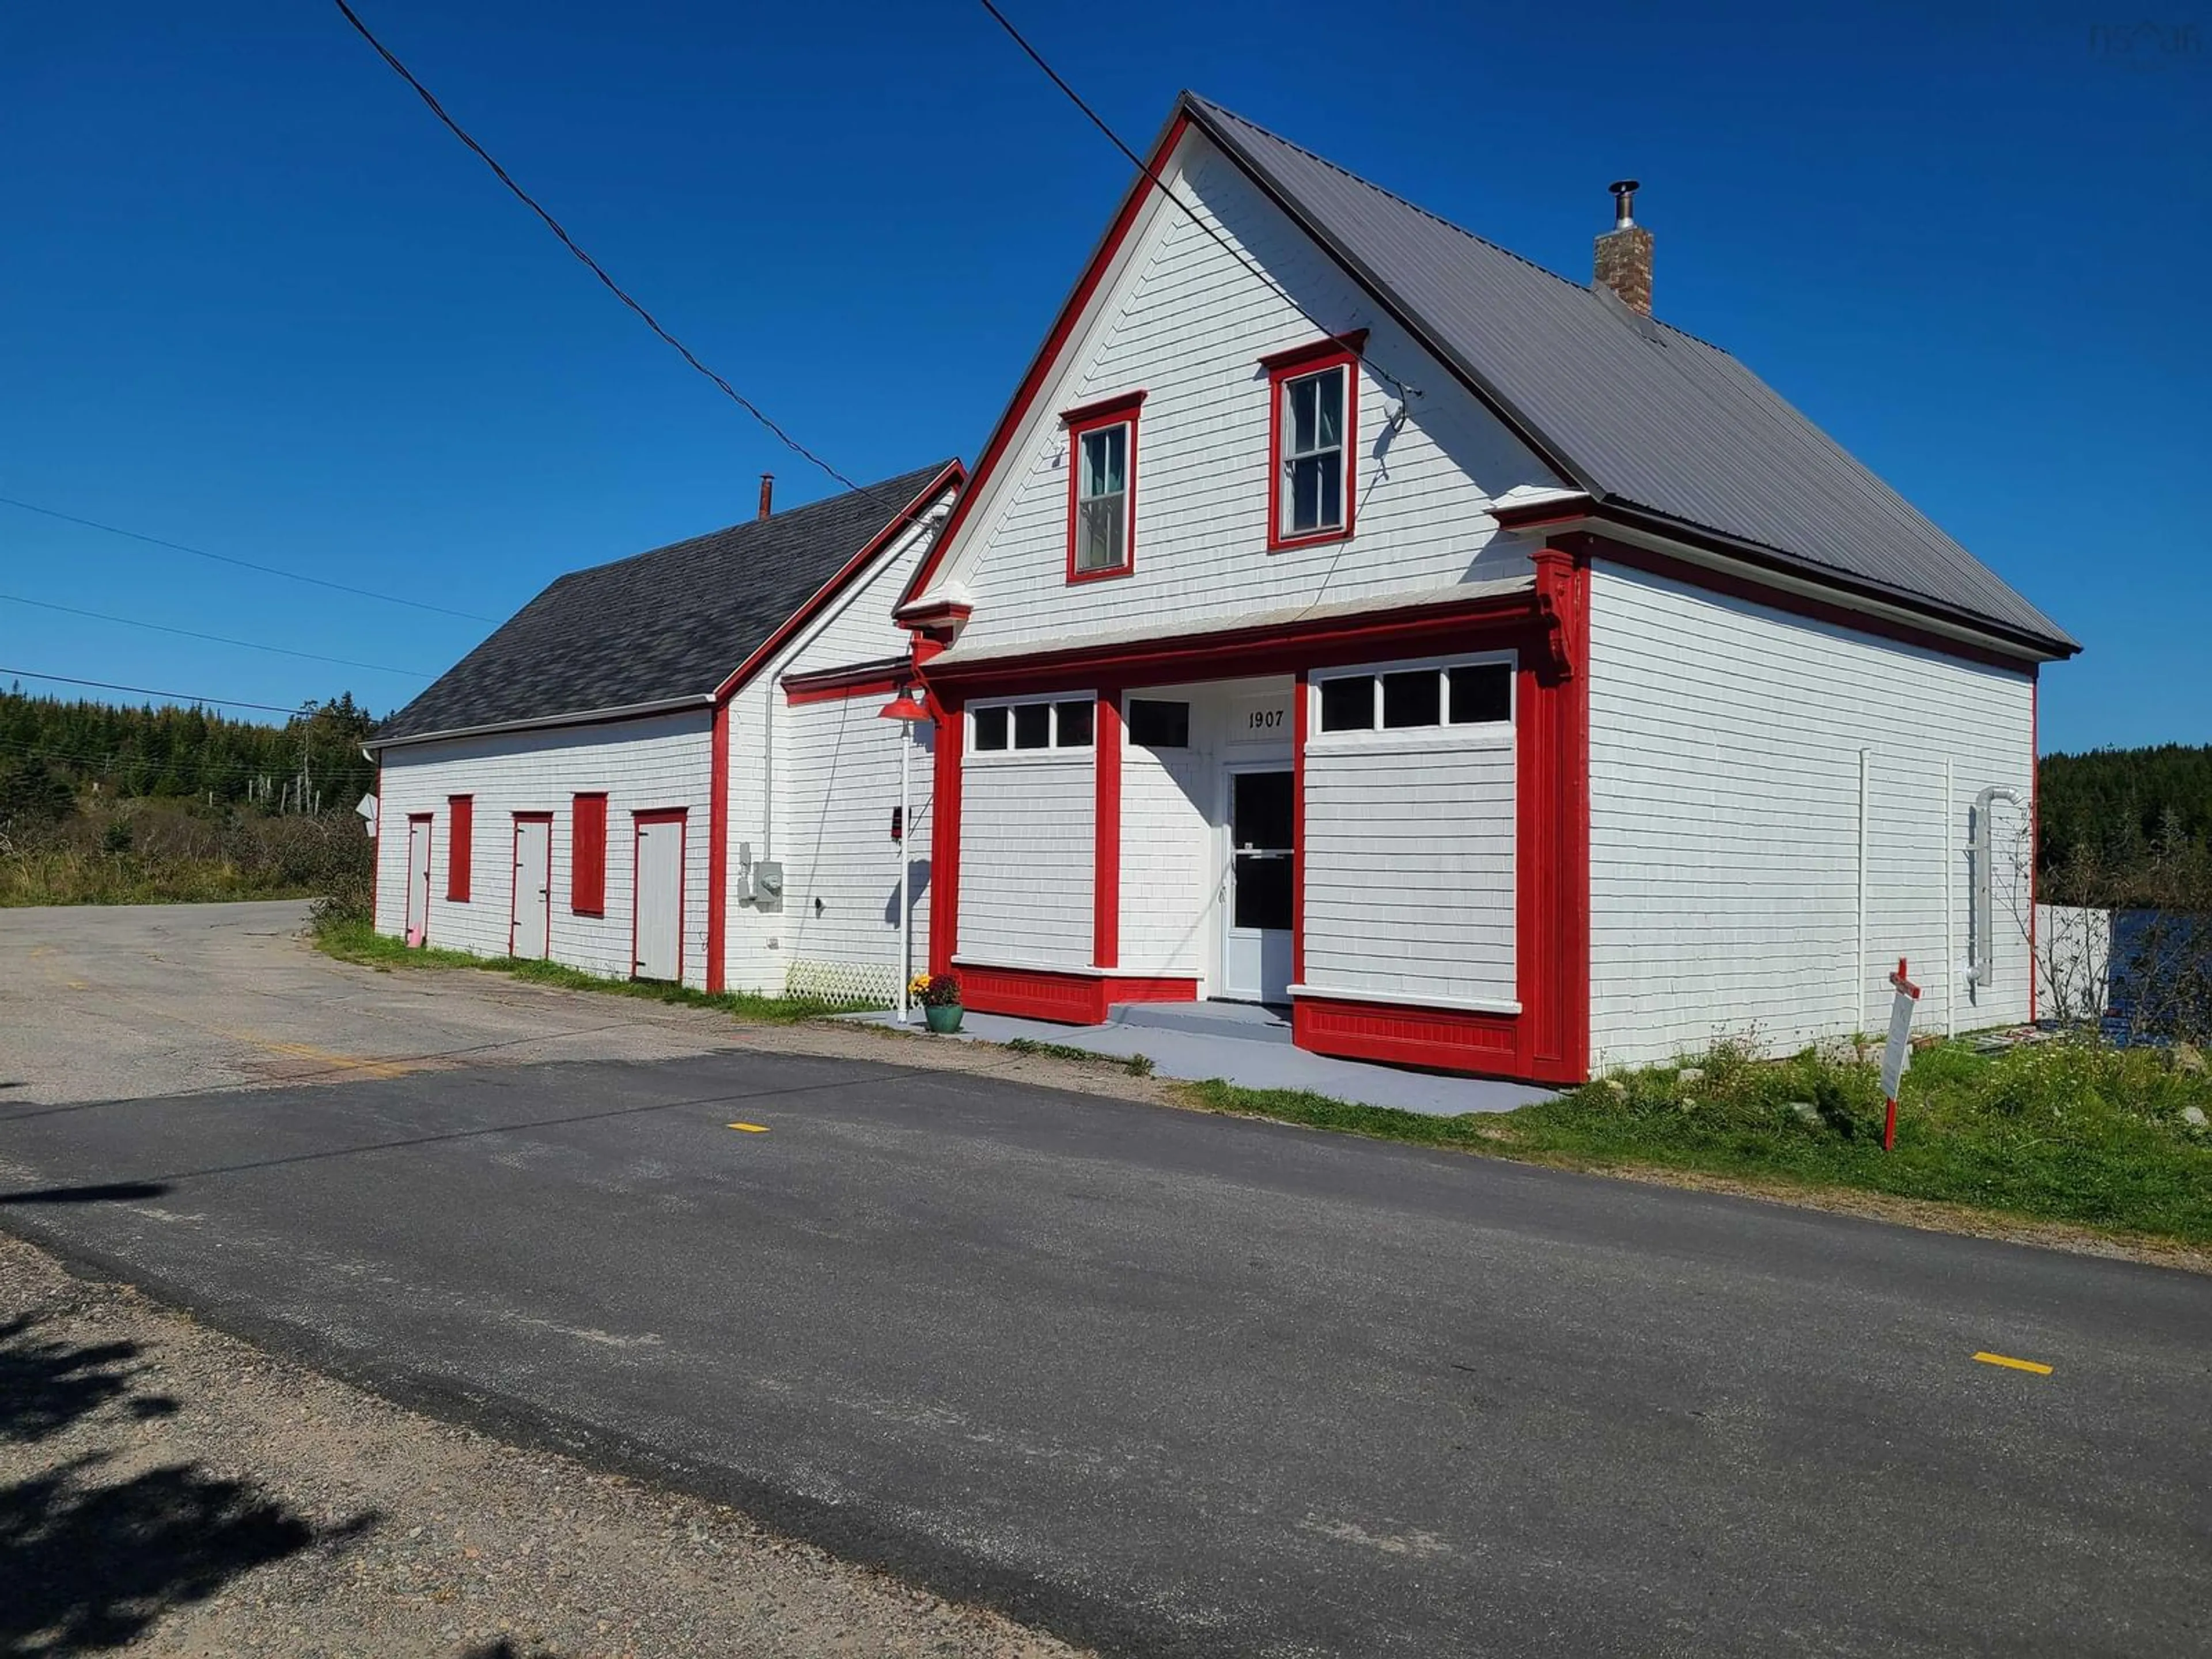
(862, 984)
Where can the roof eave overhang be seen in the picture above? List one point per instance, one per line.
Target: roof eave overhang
(546, 722)
(1724, 554)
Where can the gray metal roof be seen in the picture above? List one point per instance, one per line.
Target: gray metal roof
(1638, 413)
(662, 626)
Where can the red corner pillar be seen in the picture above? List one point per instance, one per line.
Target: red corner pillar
(1106, 834)
(945, 835)
(1554, 896)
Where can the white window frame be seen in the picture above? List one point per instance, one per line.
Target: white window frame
(1120, 561)
(1444, 733)
(1286, 459)
(1053, 751)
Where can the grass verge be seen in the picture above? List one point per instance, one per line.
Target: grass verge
(1134, 1065)
(2075, 1134)
(355, 940)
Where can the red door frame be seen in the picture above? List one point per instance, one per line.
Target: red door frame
(429, 850)
(515, 886)
(678, 815)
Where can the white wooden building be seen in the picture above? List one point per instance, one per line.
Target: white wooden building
(671, 766)
(1347, 613)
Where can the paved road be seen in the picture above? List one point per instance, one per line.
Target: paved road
(1179, 1384)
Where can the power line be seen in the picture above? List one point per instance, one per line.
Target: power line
(243, 564)
(148, 691)
(590, 264)
(214, 639)
(1189, 212)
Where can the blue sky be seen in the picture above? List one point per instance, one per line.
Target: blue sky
(256, 300)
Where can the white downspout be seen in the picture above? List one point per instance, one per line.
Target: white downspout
(1985, 883)
(1859, 956)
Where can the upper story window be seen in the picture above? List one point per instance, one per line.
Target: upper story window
(1038, 723)
(1102, 521)
(1313, 427)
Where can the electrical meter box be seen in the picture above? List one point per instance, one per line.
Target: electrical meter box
(768, 886)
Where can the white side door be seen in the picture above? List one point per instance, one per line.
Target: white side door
(659, 952)
(418, 880)
(530, 932)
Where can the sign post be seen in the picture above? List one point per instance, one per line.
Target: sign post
(1898, 1054)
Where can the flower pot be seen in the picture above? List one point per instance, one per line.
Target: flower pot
(945, 1017)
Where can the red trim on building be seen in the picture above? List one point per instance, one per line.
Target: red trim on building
(588, 854)
(1067, 997)
(880, 678)
(1070, 313)
(460, 845)
(1439, 1039)
(718, 852)
(1094, 418)
(1301, 718)
(1282, 368)
(680, 817)
(945, 832)
(952, 475)
(1106, 834)
(516, 820)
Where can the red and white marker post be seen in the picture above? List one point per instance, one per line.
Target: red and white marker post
(1898, 1054)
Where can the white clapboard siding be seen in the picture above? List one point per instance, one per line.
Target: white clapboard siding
(859, 627)
(1409, 868)
(640, 765)
(1169, 862)
(1725, 803)
(840, 783)
(1026, 857)
(1187, 326)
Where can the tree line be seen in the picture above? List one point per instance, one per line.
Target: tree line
(2127, 827)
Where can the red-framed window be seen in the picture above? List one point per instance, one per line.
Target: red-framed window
(587, 855)
(1102, 487)
(461, 845)
(1313, 431)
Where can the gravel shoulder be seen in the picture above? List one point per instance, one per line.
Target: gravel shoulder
(168, 1489)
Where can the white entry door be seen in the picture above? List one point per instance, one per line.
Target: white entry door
(530, 931)
(418, 880)
(1255, 949)
(659, 898)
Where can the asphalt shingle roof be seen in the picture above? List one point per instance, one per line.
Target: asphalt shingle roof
(1638, 413)
(671, 623)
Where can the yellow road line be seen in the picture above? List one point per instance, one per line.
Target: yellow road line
(2010, 1364)
(752, 1129)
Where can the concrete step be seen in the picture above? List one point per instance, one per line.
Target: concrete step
(1247, 1021)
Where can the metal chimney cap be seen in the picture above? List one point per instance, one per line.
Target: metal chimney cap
(1623, 202)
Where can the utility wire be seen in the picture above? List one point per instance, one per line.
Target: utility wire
(243, 564)
(1137, 162)
(590, 264)
(214, 639)
(148, 691)
(118, 760)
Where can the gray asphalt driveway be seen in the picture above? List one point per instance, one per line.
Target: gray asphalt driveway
(1181, 1384)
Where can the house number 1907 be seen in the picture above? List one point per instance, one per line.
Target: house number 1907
(1265, 720)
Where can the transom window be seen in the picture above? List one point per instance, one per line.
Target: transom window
(1430, 697)
(1037, 724)
(1313, 452)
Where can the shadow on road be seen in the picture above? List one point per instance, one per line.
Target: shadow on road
(110, 1192)
(91, 1563)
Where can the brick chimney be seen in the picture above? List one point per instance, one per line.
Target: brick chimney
(1624, 253)
(767, 485)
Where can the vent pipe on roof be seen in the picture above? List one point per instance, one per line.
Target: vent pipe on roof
(767, 494)
(1624, 253)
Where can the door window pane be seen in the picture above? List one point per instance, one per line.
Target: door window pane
(1481, 691)
(1263, 891)
(1032, 725)
(1260, 810)
(1413, 699)
(991, 728)
(1347, 705)
(1075, 724)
